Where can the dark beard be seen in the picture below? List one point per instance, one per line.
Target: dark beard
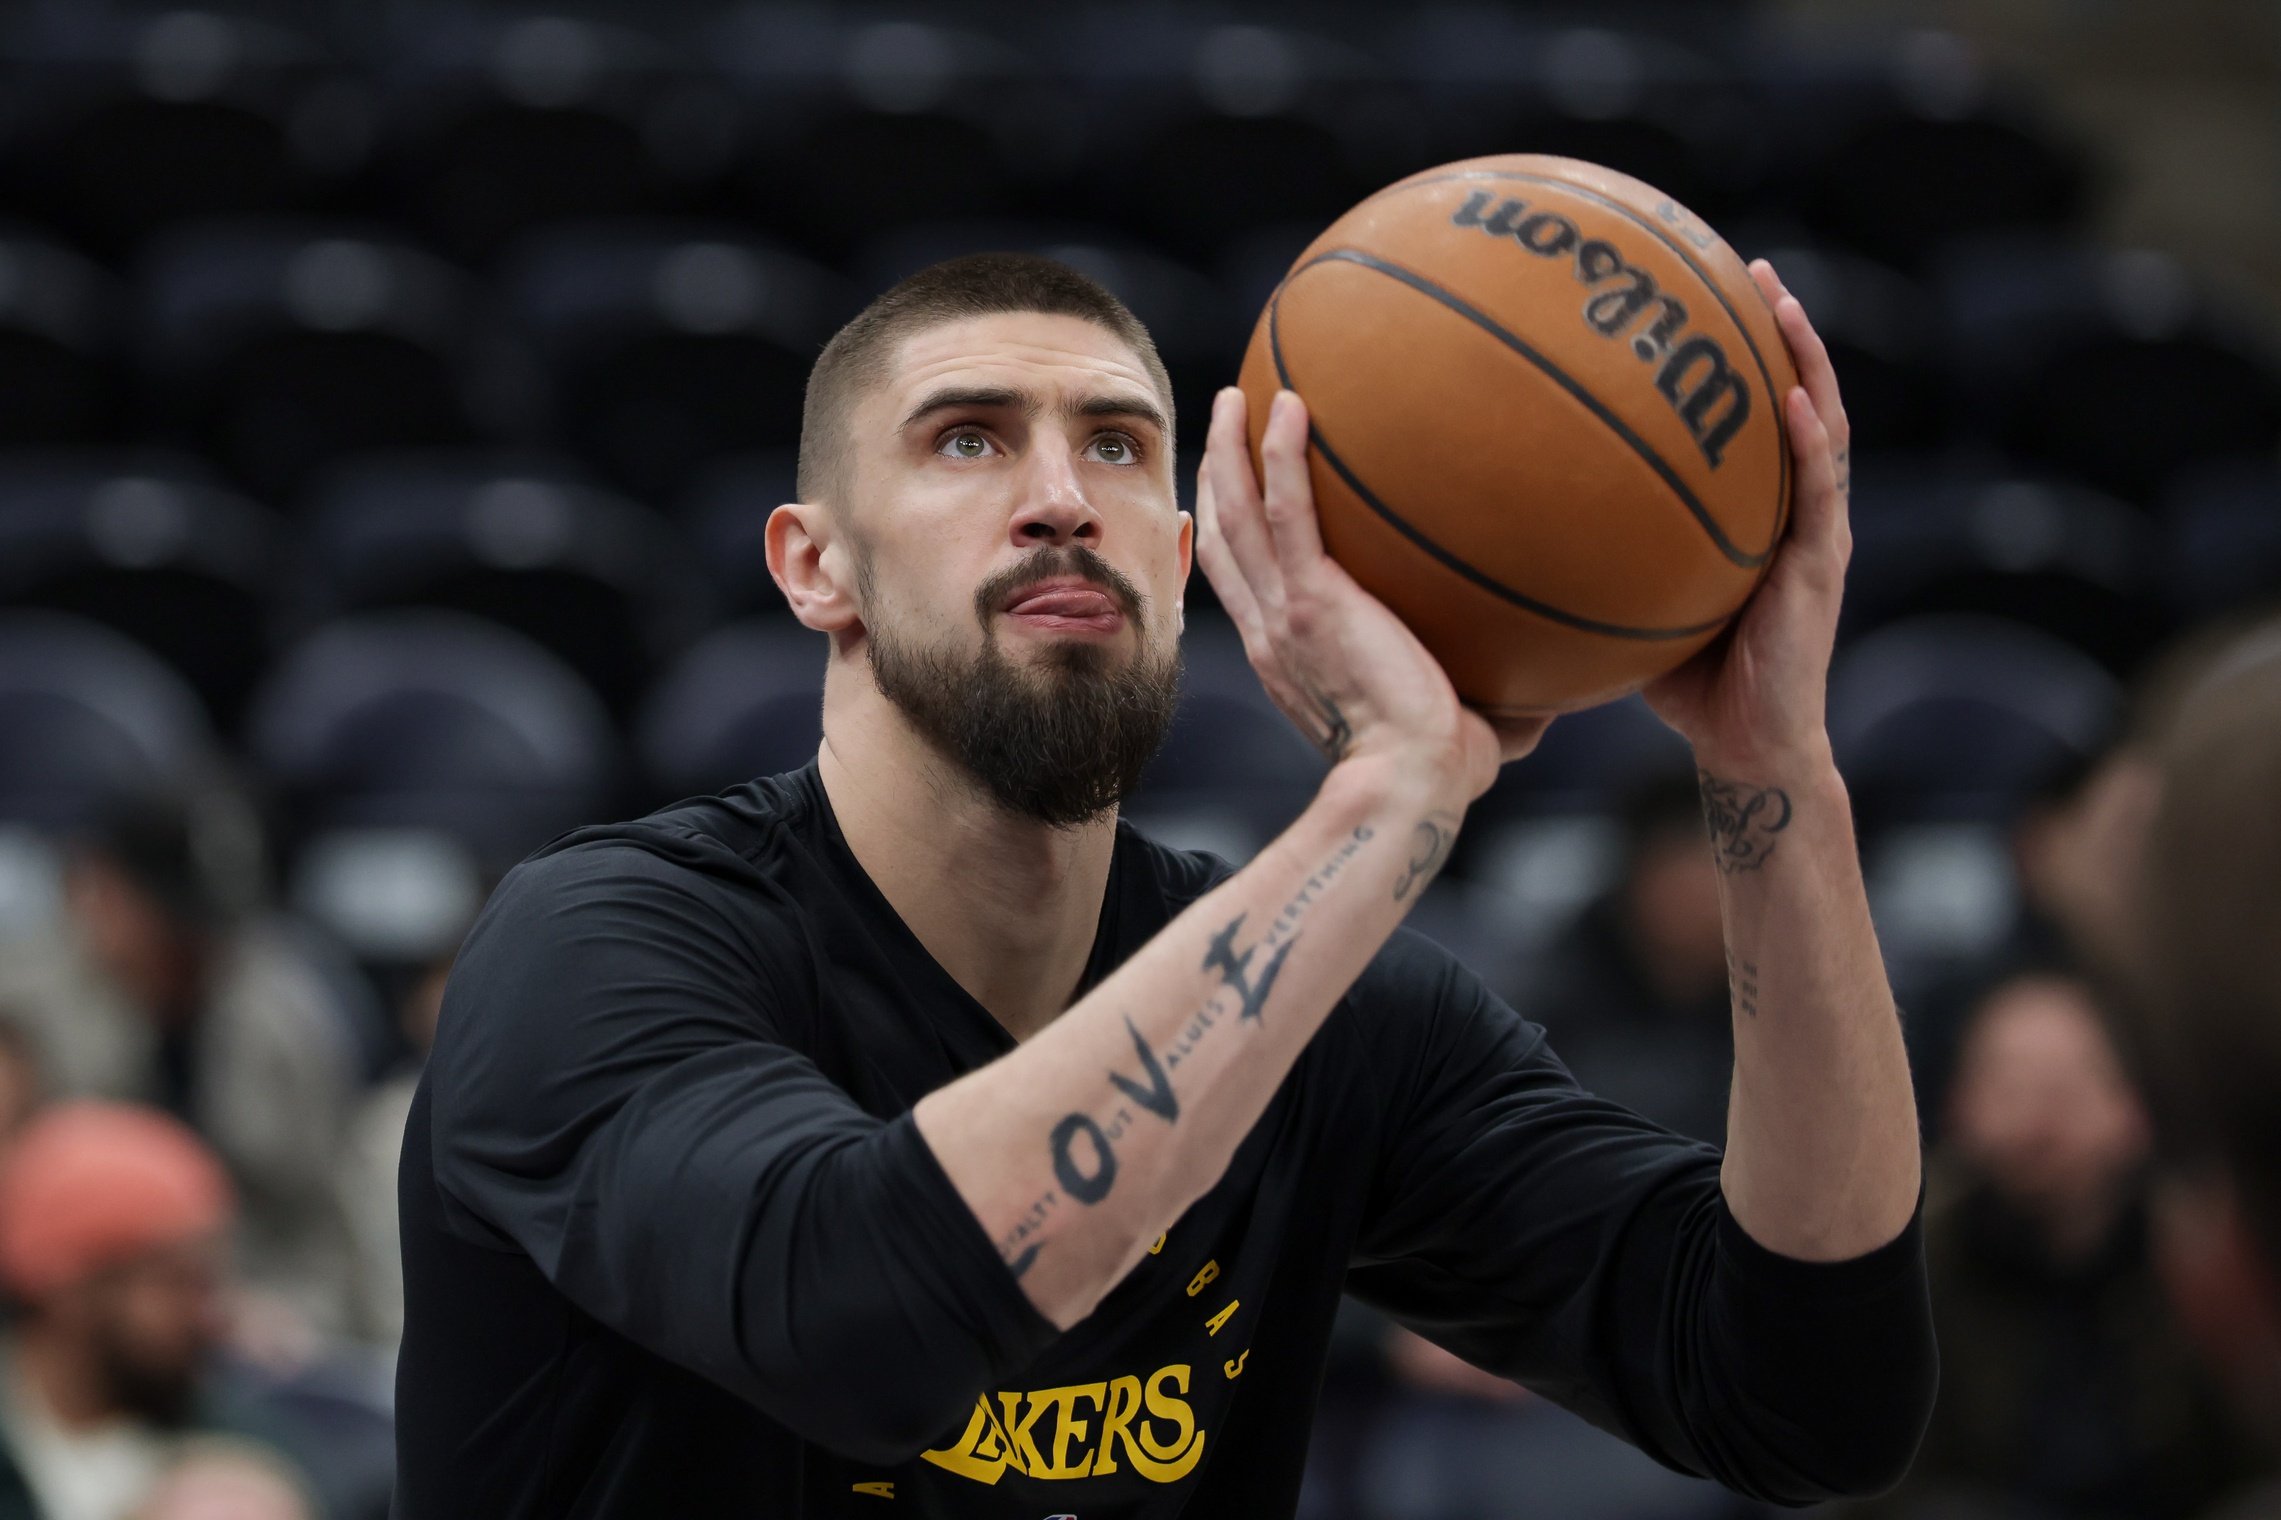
(159, 1395)
(1062, 743)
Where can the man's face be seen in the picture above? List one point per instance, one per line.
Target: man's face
(1019, 554)
(148, 1325)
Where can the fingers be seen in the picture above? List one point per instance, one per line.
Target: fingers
(1290, 499)
(1807, 351)
(1819, 503)
(1517, 737)
(1231, 534)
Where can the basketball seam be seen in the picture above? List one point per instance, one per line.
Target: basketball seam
(1718, 293)
(1439, 554)
(1567, 382)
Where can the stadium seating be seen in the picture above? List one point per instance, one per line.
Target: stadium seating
(151, 547)
(1949, 536)
(87, 716)
(61, 328)
(726, 517)
(2225, 537)
(1958, 716)
(746, 701)
(429, 719)
(279, 347)
(604, 584)
(671, 345)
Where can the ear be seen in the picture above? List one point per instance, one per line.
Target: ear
(1187, 564)
(810, 563)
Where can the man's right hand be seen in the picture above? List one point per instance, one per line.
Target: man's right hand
(1334, 658)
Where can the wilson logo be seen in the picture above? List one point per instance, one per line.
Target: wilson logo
(1087, 1430)
(1692, 371)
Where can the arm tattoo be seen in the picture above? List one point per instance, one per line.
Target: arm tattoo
(1742, 976)
(1430, 844)
(1334, 733)
(1743, 820)
(1158, 1097)
(1222, 957)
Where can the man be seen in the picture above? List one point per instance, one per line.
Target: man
(2210, 895)
(2066, 1385)
(112, 1226)
(162, 985)
(902, 1136)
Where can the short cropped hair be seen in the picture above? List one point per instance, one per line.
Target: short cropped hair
(978, 285)
(2212, 897)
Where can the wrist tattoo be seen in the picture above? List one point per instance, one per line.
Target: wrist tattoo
(1430, 844)
(1743, 821)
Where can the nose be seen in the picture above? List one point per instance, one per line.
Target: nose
(1053, 511)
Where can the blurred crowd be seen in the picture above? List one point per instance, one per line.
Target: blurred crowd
(391, 398)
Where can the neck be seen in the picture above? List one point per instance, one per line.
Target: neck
(62, 1376)
(1008, 906)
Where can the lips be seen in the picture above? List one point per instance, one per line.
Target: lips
(1066, 604)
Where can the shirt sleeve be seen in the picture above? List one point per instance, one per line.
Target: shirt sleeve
(1562, 1241)
(611, 1098)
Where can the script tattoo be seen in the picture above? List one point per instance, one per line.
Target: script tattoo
(1743, 820)
(1430, 844)
(1222, 957)
(1158, 1097)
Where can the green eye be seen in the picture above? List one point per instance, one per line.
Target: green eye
(1111, 449)
(966, 445)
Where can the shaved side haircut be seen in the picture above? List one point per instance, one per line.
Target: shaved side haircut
(978, 285)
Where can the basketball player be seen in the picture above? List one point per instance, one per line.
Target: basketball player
(906, 1136)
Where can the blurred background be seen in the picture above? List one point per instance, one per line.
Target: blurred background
(392, 396)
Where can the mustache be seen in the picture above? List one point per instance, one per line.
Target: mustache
(1048, 564)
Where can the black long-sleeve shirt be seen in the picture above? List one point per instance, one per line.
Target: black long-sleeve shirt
(673, 1245)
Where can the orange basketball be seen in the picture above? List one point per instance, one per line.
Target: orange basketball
(1546, 404)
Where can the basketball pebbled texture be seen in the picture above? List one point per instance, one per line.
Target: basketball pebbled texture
(1546, 413)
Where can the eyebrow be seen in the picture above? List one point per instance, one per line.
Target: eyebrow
(999, 398)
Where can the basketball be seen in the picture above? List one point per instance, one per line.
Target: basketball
(1545, 403)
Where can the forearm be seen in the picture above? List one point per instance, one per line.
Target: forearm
(1078, 1150)
(1822, 1158)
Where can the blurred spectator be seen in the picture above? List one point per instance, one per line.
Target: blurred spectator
(1634, 995)
(2211, 895)
(113, 1228)
(2066, 1384)
(368, 1169)
(23, 1086)
(163, 984)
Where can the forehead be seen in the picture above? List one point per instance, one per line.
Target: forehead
(1021, 350)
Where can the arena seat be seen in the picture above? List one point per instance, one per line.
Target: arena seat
(671, 345)
(426, 719)
(604, 584)
(726, 517)
(861, 125)
(1588, 762)
(2224, 521)
(1941, 537)
(146, 545)
(1913, 148)
(1882, 328)
(1957, 716)
(1233, 772)
(88, 716)
(2108, 364)
(500, 122)
(60, 331)
(123, 123)
(747, 700)
(282, 346)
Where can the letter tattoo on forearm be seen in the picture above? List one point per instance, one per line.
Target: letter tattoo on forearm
(1430, 844)
(1743, 820)
(1158, 1097)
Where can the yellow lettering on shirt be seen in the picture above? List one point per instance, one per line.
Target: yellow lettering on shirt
(1234, 1369)
(1163, 1446)
(1160, 1240)
(1213, 1324)
(1124, 1403)
(1204, 1278)
(981, 1453)
(878, 1490)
